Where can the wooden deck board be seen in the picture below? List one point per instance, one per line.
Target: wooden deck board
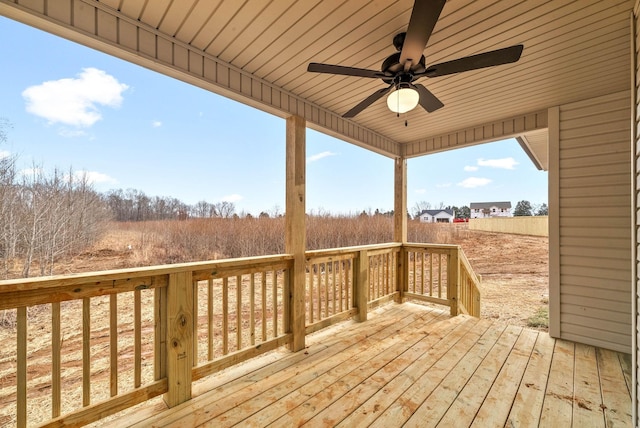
(410, 365)
(527, 406)
(497, 404)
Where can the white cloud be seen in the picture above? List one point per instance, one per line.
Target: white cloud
(504, 163)
(94, 177)
(156, 124)
(4, 154)
(232, 198)
(72, 133)
(319, 156)
(75, 101)
(473, 182)
(471, 168)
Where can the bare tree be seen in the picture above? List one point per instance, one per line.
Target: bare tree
(224, 209)
(419, 207)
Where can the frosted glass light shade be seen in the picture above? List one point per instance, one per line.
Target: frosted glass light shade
(403, 100)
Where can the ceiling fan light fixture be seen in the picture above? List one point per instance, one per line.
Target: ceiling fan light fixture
(405, 98)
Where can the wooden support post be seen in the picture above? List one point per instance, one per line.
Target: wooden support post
(361, 283)
(295, 230)
(453, 279)
(179, 338)
(400, 223)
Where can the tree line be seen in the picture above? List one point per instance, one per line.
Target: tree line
(44, 217)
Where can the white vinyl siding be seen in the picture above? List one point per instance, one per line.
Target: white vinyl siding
(594, 219)
(635, 167)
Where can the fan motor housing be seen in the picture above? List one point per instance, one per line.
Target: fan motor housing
(391, 67)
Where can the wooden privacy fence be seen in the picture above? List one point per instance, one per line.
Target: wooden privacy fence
(119, 338)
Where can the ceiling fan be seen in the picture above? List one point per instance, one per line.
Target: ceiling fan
(400, 70)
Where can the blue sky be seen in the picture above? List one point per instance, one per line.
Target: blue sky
(128, 127)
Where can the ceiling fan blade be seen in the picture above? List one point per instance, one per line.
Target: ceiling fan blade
(428, 101)
(424, 16)
(345, 71)
(367, 102)
(474, 62)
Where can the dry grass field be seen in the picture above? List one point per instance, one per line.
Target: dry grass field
(514, 289)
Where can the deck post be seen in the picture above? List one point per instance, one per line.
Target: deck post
(179, 338)
(295, 230)
(361, 289)
(400, 223)
(453, 279)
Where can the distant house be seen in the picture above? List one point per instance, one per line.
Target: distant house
(490, 209)
(437, 216)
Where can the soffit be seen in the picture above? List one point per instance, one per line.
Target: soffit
(573, 50)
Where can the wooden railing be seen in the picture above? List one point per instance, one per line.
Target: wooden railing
(119, 338)
(441, 274)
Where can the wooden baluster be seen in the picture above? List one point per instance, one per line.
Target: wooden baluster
(341, 272)
(252, 308)
(137, 340)
(326, 290)
(21, 371)
(113, 344)
(274, 285)
(422, 272)
(160, 333)
(333, 284)
(55, 361)
(86, 351)
(238, 312)
(431, 274)
(362, 285)
(311, 279)
(194, 351)
(225, 316)
(320, 289)
(264, 306)
(439, 275)
(210, 319)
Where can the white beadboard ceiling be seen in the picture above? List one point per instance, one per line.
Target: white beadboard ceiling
(257, 51)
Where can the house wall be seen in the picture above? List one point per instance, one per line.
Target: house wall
(495, 212)
(426, 218)
(590, 222)
(635, 230)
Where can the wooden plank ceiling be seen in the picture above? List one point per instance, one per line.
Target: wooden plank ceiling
(573, 50)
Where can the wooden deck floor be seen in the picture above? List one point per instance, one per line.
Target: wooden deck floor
(413, 366)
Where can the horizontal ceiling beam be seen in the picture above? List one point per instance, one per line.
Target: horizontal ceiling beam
(494, 131)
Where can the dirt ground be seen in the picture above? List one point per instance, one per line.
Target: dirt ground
(515, 274)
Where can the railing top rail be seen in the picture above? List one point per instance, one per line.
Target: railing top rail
(22, 284)
(422, 245)
(354, 249)
(467, 266)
